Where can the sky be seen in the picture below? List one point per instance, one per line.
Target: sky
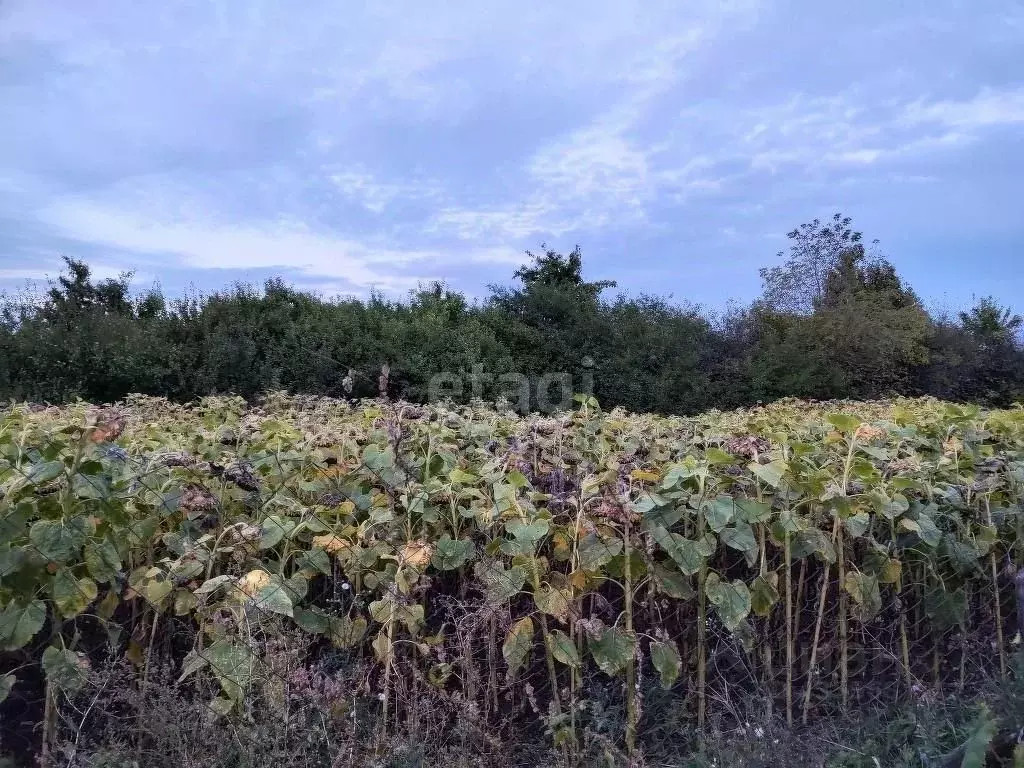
(350, 147)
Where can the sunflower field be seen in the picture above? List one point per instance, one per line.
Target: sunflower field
(563, 575)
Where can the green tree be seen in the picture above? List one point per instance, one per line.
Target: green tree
(817, 252)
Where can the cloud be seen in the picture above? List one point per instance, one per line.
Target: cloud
(386, 144)
(204, 243)
(990, 107)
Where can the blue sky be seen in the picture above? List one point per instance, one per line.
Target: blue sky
(351, 146)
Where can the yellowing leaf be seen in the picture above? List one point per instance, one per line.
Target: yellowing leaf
(645, 476)
(331, 542)
(253, 582)
(517, 644)
(416, 553)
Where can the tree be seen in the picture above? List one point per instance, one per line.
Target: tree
(991, 324)
(553, 269)
(817, 252)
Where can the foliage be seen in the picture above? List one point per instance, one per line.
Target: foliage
(441, 541)
(835, 321)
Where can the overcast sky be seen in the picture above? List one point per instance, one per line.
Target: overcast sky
(348, 145)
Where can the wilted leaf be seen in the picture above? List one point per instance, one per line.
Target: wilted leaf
(517, 644)
(19, 623)
(232, 664)
(665, 658)
(613, 650)
(66, 670)
(71, 595)
(863, 588)
(563, 649)
(553, 602)
(499, 584)
(346, 632)
(763, 596)
(6, 684)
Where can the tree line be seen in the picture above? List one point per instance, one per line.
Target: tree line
(834, 320)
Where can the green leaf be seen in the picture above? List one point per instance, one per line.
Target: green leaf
(857, 525)
(945, 609)
(666, 660)
(212, 585)
(689, 555)
(770, 474)
(102, 560)
(459, 476)
(595, 553)
(527, 534)
(763, 596)
(59, 540)
(731, 599)
(232, 665)
(194, 661)
(718, 456)
(813, 541)
(718, 513)
(517, 479)
(6, 684)
(315, 560)
(648, 503)
(843, 422)
(563, 649)
(312, 620)
(671, 582)
(451, 554)
(71, 595)
(499, 584)
(274, 597)
(274, 529)
(983, 730)
(740, 537)
(752, 511)
(45, 472)
(11, 559)
(517, 644)
(20, 623)
(66, 670)
(613, 650)
(929, 533)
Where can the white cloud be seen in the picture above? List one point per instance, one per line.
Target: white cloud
(207, 243)
(989, 107)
